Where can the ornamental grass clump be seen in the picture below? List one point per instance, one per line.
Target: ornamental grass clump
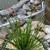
(22, 39)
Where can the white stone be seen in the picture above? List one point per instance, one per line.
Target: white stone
(20, 16)
(26, 7)
(22, 11)
(29, 13)
(47, 29)
(28, 4)
(36, 2)
(0, 22)
(31, 1)
(48, 48)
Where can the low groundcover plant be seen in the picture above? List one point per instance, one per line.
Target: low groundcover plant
(23, 39)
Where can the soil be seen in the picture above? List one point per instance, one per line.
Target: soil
(47, 11)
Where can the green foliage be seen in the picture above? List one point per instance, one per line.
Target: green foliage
(22, 39)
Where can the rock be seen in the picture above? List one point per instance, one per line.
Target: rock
(28, 4)
(47, 29)
(28, 13)
(1, 41)
(9, 10)
(19, 4)
(13, 13)
(41, 34)
(0, 22)
(26, 7)
(22, 11)
(14, 7)
(4, 20)
(22, 22)
(37, 2)
(10, 46)
(3, 34)
(32, 1)
(35, 23)
(20, 16)
(38, 7)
